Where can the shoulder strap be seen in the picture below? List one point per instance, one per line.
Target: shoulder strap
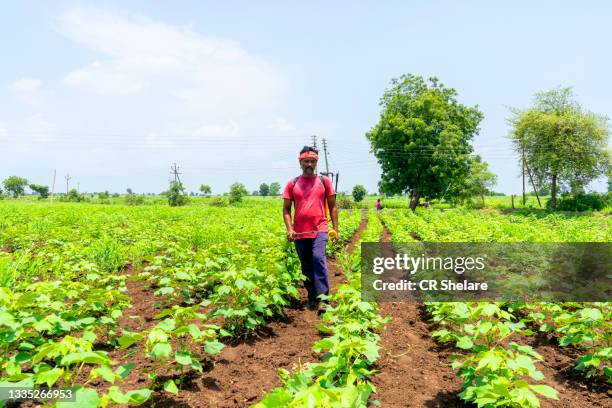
(324, 186)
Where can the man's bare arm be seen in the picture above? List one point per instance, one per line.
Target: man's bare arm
(287, 218)
(333, 210)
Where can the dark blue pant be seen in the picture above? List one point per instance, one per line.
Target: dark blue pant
(311, 252)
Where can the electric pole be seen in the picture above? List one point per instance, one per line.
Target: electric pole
(67, 177)
(174, 170)
(325, 151)
(314, 141)
(53, 184)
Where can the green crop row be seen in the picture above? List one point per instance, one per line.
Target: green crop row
(347, 353)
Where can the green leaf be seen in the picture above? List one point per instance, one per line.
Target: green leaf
(213, 347)
(166, 325)
(129, 339)
(170, 386)
(162, 350)
(465, 343)
(183, 358)
(49, 377)
(545, 390)
(89, 357)
(137, 397)
(105, 372)
(85, 398)
(125, 370)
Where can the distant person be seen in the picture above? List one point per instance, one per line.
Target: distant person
(378, 205)
(311, 195)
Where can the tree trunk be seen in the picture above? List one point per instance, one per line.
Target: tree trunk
(553, 192)
(414, 199)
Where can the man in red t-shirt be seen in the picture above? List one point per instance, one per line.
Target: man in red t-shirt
(309, 193)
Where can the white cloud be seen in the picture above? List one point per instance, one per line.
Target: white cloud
(28, 91)
(207, 74)
(26, 85)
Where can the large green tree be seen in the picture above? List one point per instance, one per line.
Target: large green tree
(15, 185)
(422, 139)
(275, 188)
(264, 189)
(563, 145)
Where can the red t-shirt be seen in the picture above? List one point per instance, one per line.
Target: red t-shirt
(307, 196)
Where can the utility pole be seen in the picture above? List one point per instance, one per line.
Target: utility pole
(314, 141)
(174, 170)
(325, 151)
(53, 184)
(67, 177)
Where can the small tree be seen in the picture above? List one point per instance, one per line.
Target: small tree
(264, 189)
(275, 189)
(42, 191)
(359, 192)
(74, 196)
(129, 191)
(176, 194)
(237, 191)
(15, 185)
(205, 189)
(104, 195)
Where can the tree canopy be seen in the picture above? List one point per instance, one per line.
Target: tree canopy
(275, 188)
(264, 189)
(563, 145)
(15, 185)
(422, 139)
(359, 192)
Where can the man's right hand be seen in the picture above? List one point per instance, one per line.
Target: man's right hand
(291, 235)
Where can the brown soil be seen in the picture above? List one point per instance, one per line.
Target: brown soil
(413, 370)
(245, 371)
(575, 390)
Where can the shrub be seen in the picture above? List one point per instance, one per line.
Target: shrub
(176, 194)
(134, 199)
(218, 202)
(345, 203)
(237, 191)
(583, 202)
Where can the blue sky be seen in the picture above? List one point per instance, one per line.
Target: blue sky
(114, 92)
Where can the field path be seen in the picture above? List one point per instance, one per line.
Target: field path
(413, 371)
(245, 371)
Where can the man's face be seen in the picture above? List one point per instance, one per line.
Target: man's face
(308, 166)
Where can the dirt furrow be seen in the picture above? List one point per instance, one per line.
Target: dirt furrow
(413, 370)
(244, 372)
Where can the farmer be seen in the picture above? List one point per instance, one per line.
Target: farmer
(310, 194)
(378, 205)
